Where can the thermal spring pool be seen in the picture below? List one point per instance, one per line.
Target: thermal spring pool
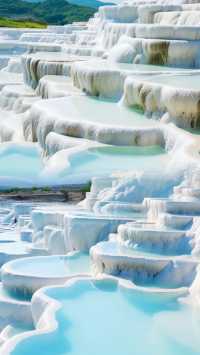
(23, 276)
(180, 80)
(57, 266)
(106, 160)
(20, 165)
(87, 109)
(104, 317)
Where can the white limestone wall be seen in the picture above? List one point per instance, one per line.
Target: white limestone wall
(179, 18)
(170, 32)
(98, 81)
(11, 93)
(113, 31)
(55, 142)
(120, 14)
(35, 67)
(93, 230)
(53, 86)
(54, 240)
(147, 12)
(180, 104)
(84, 38)
(168, 52)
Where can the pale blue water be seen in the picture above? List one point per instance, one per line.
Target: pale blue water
(53, 266)
(107, 160)
(98, 64)
(104, 320)
(114, 248)
(183, 81)
(164, 279)
(147, 67)
(100, 111)
(20, 165)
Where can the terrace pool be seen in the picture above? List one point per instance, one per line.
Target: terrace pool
(100, 317)
(20, 165)
(22, 277)
(93, 110)
(53, 266)
(134, 68)
(103, 161)
(182, 80)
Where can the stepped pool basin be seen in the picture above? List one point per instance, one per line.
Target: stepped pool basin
(22, 277)
(93, 110)
(110, 159)
(179, 80)
(137, 322)
(100, 64)
(143, 268)
(106, 78)
(135, 67)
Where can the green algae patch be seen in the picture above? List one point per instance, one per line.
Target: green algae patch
(6, 22)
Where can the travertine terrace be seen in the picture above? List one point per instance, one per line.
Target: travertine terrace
(113, 104)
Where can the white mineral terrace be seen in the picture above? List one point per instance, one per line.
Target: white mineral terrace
(108, 110)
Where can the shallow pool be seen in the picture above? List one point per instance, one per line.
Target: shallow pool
(114, 248)
(22, 277)
(107, 160)
(179, 80)
(94, 110)
(20, 165)
(134, 68)
(52, 266)
(101, 318)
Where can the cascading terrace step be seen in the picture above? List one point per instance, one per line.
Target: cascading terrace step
(156, 206)
(53, 86)
(136, 233)
(11, 93)
(151, 238)
(23, 276)
(14, 309)
(183, 207)
(175, 221)
(81, 231)
(112, 258)
(37, 65)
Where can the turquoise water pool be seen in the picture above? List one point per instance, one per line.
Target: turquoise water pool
(115, 248)
(180, 80)
(52, 266)
(20, 165)
(22, 277)
(90, 109)
(110, 65)
(107, 160)
(29, 166)
(101, 318)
